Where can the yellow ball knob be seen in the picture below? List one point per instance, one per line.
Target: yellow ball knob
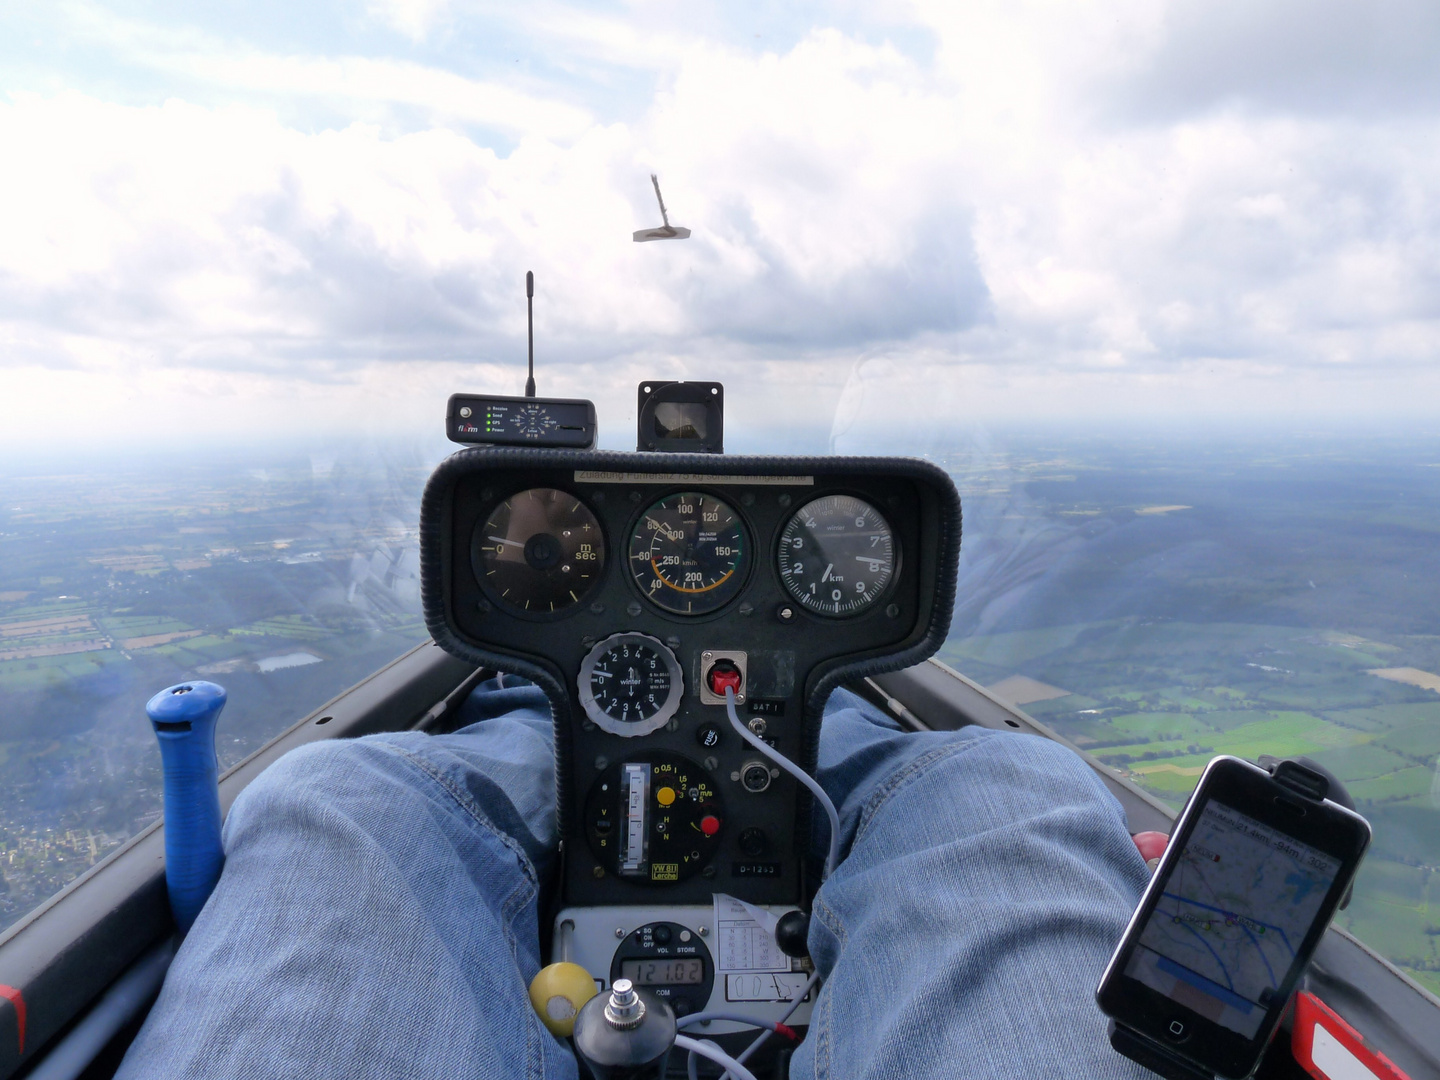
(557, 993)
(665, 796)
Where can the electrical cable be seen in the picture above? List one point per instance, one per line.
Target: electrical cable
(734, 1018)
(833, 856)
(715, 1054)
(745, 1054)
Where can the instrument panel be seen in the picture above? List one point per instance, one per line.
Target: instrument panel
(634, 588)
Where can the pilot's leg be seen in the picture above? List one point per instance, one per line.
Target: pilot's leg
(376, 916)
(986, 878)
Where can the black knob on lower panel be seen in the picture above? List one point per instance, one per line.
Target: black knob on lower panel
(792, 934)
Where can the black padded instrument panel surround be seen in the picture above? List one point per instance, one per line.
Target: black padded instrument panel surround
(793, 664)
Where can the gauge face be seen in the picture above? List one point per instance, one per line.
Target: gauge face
(688, 553)
(541, 550)
(837, 556)
(654, 818)
(630, 684)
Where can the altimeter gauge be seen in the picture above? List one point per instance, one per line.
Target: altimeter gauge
(689, 553)
(539, 551)
(630, 684)
(837, 556)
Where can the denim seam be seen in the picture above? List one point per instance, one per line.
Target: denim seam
(512, 904)
(820, 1025)
(898, 779)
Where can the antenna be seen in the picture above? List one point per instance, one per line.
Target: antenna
(664, 216)
(666, 231)
(530, 319)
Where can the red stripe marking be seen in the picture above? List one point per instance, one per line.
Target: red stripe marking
(787, 1031)
(18, 1000)
(1311, 1014)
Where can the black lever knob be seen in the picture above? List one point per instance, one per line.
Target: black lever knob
(792, 934)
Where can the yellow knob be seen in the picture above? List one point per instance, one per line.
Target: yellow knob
(556, 994)
(665, 796)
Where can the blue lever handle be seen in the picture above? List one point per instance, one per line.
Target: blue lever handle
(184, 720)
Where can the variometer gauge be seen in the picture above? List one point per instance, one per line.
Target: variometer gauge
(837, 556)
(654, 818)
(539, 551)
(630, 684)
(688, 553)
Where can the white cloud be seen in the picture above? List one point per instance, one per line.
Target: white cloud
(992, 224)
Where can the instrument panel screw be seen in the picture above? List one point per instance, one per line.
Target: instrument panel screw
(483, 607)
(619, 931)
(892, 610)
(712, 763)
(747, 499)
(673, 641)
(597, 608)
(599, 871)
(702, 930)
(633, 608)
(601, 761)
(785, 613)
(784, 500)
(708, 872)
(635, 496)
(747, 608)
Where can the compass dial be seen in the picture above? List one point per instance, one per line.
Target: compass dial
(688, 553)
(837, 556)
(534, 421)
(540, 551)
(630, 684)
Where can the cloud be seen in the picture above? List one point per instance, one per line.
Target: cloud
(1040, 210)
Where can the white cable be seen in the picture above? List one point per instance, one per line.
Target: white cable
(794, 770)
(744, 1055)
(715, 1054)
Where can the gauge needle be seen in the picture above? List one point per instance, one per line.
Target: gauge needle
(828, 568)
(502, 540)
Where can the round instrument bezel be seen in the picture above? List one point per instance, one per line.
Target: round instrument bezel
(477, 566)
(871, 605)
(749, 554)
(603, 720)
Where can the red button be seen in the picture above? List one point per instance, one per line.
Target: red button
(709, 824)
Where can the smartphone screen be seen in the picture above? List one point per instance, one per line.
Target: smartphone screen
(1228, 925)
(1235, 910)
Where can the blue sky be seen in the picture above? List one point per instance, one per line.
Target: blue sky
(265, 218)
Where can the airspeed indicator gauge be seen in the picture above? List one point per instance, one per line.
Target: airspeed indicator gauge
(688, 553)
(630, 684)
(837, 556)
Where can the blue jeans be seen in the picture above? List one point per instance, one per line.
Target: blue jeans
(377, 912)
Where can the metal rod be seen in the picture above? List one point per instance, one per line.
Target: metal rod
(530, 319)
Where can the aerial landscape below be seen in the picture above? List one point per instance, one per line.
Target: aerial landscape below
(1155, 603)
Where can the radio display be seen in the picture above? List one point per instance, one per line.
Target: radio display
(683, 971)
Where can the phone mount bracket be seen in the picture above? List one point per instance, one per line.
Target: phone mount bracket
(1304, 778)
(1156, 1058)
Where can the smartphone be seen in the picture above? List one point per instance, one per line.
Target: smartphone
(1250, 879)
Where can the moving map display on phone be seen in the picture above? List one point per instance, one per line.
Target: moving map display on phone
(1234, 911)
